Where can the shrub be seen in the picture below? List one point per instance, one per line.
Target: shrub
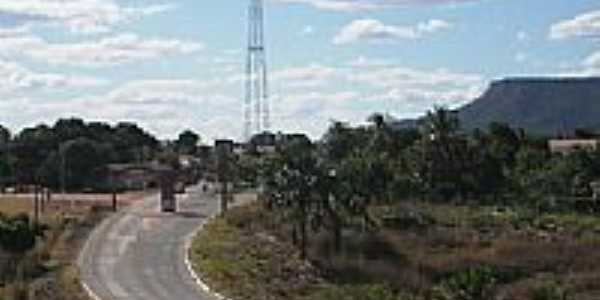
(355, 292)
(551, 291)
(470, 284)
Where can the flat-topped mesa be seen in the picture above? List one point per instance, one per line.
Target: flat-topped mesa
(547, 80)
(543, 105)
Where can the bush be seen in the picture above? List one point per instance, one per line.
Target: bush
(551, 291)
(355, 292)
(470, 284)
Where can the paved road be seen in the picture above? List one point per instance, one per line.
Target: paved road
(139, 254)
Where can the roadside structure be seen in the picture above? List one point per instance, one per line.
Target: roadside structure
(567, 146)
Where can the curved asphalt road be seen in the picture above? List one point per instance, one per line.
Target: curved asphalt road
(139, 254)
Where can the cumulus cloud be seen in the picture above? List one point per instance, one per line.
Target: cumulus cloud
(376, 31)
(159, 92)
(522, 36)
(367, 62)
(583, 25)
(591, 64)
(164, 106)
(81, 16)
(396, 76)
(307, 30)
(593, 60)
(369, 5)
(108, 51)
(308, 76)
(521, 57)
(14, 77)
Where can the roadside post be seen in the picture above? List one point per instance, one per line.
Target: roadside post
(36, 205)
(224, 150)
(168, 201)
(43, 194)
(114, 201)
(114, 191)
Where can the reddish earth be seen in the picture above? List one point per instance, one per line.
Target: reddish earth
(70, 203)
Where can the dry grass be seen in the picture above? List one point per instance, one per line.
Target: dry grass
(249, 264)
(68, 223)
(421, 254)
(14, 206)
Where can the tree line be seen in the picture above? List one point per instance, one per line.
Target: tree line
(332, 184)
(69, 153)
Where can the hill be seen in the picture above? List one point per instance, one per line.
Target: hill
(538, 105)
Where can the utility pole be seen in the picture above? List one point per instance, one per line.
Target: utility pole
(63, 168)
(257, 109)
(223, 149)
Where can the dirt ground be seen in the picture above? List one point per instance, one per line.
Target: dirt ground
(66, 204)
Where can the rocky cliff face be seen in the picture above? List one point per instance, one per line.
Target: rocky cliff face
(539, 105)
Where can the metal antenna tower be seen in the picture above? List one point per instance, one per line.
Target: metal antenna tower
(257, 110)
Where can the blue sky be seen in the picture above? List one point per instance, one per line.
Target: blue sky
(172, 65)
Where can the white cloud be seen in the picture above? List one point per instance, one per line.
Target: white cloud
(81, 16)
(158, 92)
(366, 62)
(108, 51)
(584, 25)
(307, 30)
(395, 77)
(309, 76)
(163, 106)
(375, 30)
(13, 31)
(368, 85)
(521, 57)
(590, 65)
(14, 77)
(419, 99)
(522, 36)
(369, 5)
(214, 107)
(593, 60)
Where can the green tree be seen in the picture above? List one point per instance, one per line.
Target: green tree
(5, 136)
(293, 188)
(32, 146)
(76, 164)
(444, 154)
(187, 142)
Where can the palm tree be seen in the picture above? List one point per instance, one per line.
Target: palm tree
(440, 123)
(442, 152)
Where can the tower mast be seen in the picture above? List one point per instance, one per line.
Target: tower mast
(257, 110)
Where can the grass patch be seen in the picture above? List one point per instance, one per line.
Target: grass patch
(15, 206)
(421, 252)
(247, 264)
(47, 272)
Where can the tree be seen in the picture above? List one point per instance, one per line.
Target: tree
(293, 188)
(32, 146)
(17, 235)
(440, 124)
(444, 154)
(504, 143)
(187, 142)
(76, 164)
(339, 141)
(133, 144)
(5, 136)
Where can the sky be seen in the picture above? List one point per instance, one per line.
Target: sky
(172, 65)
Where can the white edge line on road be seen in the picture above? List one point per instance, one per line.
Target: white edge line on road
(80, 262)
(188, 264)
(86, 245)
(89, 291)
